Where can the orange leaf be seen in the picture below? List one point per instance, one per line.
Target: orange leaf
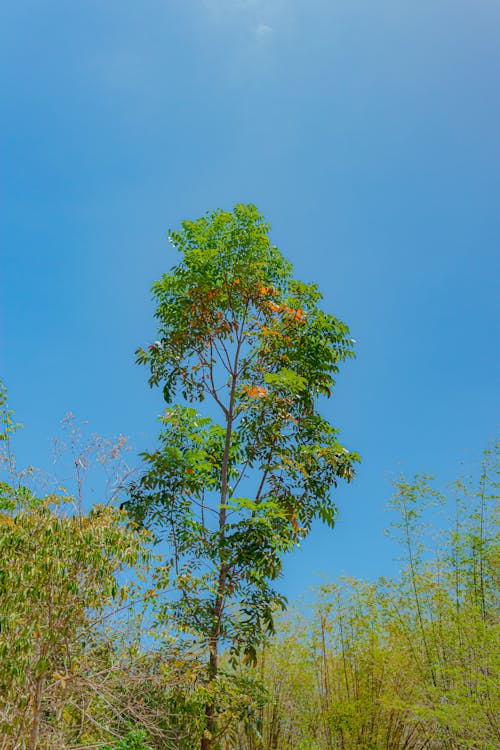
(256, 391)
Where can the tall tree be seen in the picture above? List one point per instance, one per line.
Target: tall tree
(235, 488)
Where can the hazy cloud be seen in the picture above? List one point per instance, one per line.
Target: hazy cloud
(263, 32)
(261, 17)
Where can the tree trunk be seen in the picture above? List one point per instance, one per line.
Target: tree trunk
(210, 723)
(35, 726)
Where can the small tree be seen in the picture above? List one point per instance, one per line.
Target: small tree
(71, 666)
(234, 489)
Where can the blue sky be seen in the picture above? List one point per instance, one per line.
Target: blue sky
(366, 132)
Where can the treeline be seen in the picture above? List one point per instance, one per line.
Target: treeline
(89, 660)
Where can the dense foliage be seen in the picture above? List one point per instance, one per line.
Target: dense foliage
(404, 664)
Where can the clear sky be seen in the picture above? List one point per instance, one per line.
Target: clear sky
(368, 134)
